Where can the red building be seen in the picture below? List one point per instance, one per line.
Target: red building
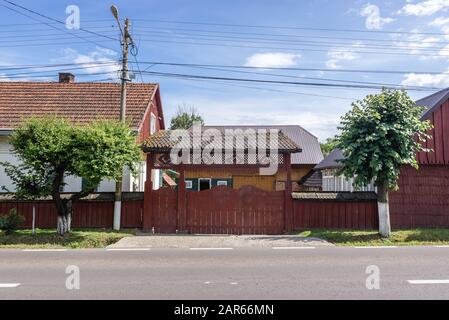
(423, 197)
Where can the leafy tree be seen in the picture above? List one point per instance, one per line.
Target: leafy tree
(185, 118)
(329, 145)
(379, 135)
(51, 148)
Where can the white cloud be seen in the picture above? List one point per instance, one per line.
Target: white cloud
(424, 8)
(373, 19)
(440, 21)
(417, 42)
(264, 108)
(437, 80)
(272, 60)
(337, 55)
(99, 61)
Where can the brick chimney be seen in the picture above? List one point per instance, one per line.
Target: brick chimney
(66, 78)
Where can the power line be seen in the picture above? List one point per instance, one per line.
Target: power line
(428, 45)
(295, 68)
(179, 64)
(55, 20)
(289, 27)
(59, 70)
(316, 84)
(311, 78)
(51, 26)
(400, 49)
(294, 50)
(314, 36)
(50, 75)
(36, 66)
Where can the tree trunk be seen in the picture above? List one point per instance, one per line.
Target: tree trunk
(384, 210)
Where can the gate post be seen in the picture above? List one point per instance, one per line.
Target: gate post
(181, 212)
(288, 200)
(148, 220)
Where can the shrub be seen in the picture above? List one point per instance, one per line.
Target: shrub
(11, 222)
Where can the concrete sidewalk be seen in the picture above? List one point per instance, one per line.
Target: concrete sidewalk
(216, 241)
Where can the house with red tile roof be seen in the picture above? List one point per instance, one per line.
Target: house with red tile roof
(81, 103)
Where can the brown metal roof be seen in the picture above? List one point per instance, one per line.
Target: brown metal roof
(163, 142)
(433, 101)
(311, 151)
(80, 102)
(332, 161)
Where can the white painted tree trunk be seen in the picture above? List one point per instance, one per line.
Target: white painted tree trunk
(34, 220)
(64, 224)
(384, 219)
(384, 211)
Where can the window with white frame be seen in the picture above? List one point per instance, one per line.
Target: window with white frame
(222, 183)
(153, 123)
(189, 184)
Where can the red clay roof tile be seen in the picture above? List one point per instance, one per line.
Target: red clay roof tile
(80, 102)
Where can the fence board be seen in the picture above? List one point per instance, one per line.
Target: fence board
(86, 214)
(319, 214)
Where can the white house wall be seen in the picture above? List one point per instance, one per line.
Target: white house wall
(332, 183)
(73, 184)
(7, 156)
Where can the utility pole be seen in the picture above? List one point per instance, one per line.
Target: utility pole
(126, 40)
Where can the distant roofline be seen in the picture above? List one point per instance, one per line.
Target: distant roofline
(431, 108)
(261, 126)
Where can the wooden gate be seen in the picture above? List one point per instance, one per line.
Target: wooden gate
(221, 210)
(164, 210)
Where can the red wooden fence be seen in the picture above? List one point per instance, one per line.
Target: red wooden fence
(221, 210)
(164, 210)
(86, 213)
(224, 210)
(322, 214)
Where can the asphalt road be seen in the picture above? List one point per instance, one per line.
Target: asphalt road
(240, 273)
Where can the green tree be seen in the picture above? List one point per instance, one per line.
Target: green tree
(378, 136)
(329, 145)
(185, 118)
(51, 148)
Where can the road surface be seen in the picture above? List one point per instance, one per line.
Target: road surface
(226, 273)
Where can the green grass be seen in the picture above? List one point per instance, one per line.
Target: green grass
(48, 239)
(410, 237)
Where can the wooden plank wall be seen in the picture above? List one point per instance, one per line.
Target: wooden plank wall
(164, 210)
(223, 210)
(440, 142)
(86, 214)
(422, 199)
(321, 214)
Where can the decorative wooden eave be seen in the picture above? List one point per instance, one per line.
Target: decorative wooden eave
(161, 142)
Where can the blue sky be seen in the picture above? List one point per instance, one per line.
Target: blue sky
(420, 48)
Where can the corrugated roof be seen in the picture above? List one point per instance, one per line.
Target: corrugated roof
(311, 150)
(331, 161)
(80, 102)
(433, 101)
(162, 142)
